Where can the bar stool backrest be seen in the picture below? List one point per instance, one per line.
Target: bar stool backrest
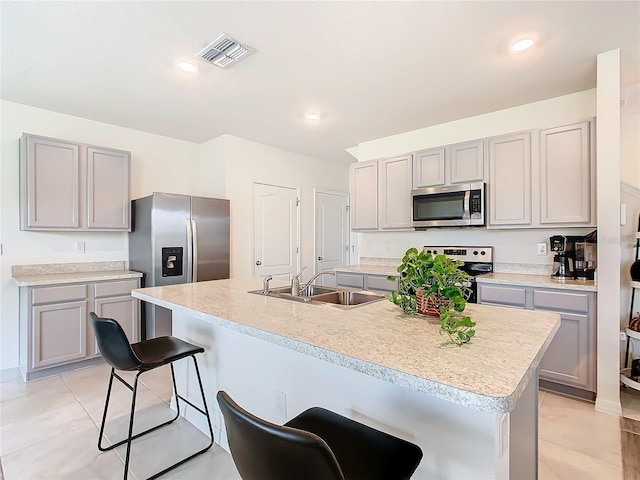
(265, 451)
(113, 343)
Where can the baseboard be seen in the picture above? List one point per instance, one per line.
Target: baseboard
(567, 390)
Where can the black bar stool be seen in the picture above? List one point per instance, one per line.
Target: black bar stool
(315, 445)
(142, 357)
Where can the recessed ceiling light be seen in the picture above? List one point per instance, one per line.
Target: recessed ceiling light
(313, 116)
(188, 67)
(522, 45)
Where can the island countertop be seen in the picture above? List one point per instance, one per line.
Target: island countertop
(488, 374)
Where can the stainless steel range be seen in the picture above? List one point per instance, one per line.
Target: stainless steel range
(477, 261)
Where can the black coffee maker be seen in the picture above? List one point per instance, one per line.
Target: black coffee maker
(565, 257)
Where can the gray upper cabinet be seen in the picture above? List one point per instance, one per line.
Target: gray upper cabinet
(108, 189)
(510, 180)
(429, 168)
(395, 192)
(466, 162)
(566, 175)
(364, 195)
(459, 163)
(67, 186)
(50, 184)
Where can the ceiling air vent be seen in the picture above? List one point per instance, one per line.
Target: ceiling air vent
(224, 51)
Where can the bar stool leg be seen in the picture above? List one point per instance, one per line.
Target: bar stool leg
(104, 415)
(129, 437)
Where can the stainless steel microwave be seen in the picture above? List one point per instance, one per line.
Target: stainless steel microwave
(460, 205)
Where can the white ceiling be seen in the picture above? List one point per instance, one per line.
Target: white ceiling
(374, 68)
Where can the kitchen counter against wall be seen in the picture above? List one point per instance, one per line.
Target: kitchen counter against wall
(61, 273)
(546, 281)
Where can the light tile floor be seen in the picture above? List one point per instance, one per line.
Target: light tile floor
(49, 430)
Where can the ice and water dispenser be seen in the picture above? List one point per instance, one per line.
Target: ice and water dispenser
(172, 261)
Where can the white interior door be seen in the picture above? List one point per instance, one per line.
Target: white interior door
(332, 233)
(275, 216)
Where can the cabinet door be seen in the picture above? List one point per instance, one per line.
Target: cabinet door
(395, 192)
(108, 189)
(125, 310)
(510, 180)
(429, 168)
(466, 162)
(59, 333)
(50, 179)
(567, 359)
(565, 169)
(364, 195)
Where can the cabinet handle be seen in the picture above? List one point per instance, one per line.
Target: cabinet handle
(258, 262)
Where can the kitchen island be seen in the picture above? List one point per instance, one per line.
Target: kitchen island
(472, 409)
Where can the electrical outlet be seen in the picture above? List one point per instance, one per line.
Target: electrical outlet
(80, 247)
(542, 249)
(281, 406)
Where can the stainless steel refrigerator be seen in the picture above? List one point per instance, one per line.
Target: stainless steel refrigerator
(177, 239)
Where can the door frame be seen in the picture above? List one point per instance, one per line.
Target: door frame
(316, 191)
(253, 221)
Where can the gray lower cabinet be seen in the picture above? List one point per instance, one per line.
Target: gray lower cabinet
(68, 186)
(55, 332)
(570, 360)
(365, 281)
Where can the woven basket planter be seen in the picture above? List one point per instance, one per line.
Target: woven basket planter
(430, 305)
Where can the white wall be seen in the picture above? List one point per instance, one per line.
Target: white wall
(157, 164)
(248, 162)
(512, 246)
(630, 138)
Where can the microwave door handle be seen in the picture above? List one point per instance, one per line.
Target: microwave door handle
(467, 210)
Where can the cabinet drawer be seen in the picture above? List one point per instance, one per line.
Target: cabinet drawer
(112, 289)
(380, 283)
(512, 296)
(350, 280)
(551, 300)
(66, 293)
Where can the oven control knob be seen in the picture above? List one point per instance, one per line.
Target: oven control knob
(435, 252)
(428, 251)
(483, 252)
(475, 252)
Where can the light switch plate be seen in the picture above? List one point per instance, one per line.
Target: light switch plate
(542, 249)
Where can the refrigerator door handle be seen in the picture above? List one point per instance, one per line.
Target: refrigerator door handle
(194, 237)
(189, 251)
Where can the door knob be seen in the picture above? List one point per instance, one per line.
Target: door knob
(320, 258)
(258, 262)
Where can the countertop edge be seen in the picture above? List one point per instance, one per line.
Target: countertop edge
(75, 277)
(438, 390)
(536, 281)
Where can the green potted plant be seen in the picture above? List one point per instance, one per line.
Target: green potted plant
(435, 285)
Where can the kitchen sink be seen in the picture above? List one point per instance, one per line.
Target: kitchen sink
(329, 296)
(347, 297)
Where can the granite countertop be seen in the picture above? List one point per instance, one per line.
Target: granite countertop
(56, 274)
(546, 281)
(488, 374)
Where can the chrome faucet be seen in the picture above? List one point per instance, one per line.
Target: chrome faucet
(295, 283)
(306, 285)
(265, 284)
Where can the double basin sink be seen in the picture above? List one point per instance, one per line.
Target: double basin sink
(318, 295)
